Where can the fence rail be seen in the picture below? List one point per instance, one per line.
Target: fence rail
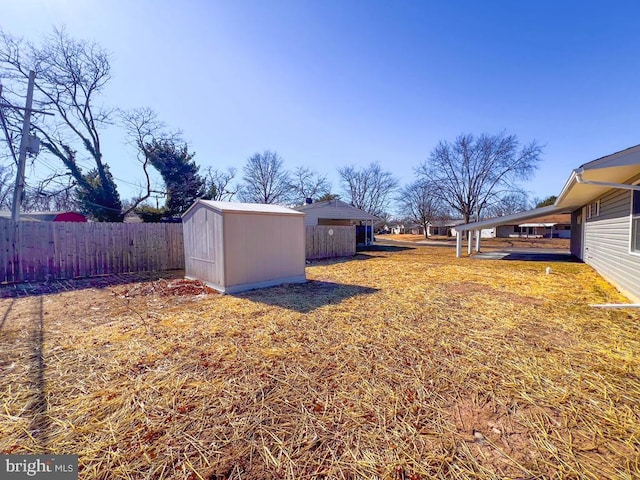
(35, 251)
(329, 241)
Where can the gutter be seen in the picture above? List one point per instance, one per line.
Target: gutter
(623, 186)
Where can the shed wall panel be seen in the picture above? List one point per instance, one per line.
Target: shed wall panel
(606, 243)
(292, 241)
(263, 247)
(235, 241)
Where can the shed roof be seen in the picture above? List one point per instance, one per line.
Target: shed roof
(336, 210)
(259, 208)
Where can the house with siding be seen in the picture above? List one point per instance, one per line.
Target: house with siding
(401, 228)
(550, 226)
(603, 198)
(339, 213)
(444, 227)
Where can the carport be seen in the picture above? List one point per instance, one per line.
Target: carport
(471, 230)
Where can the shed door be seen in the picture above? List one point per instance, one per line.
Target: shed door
(200, 230)
(201, 253)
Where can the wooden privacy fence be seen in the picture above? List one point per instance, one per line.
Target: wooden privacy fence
(329, 241)
(35, 251)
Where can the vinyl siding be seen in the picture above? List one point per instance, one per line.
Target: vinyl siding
(606, 243)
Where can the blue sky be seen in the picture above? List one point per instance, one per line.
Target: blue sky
(335, 83)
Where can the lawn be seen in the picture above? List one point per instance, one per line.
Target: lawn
(402, 363)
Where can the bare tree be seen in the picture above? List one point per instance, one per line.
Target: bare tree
(70, 76)
(6, 187)
(217, 184)
(419, 203)
(265, 180)
(142, 127)
(510, 203)
(55, 193)
(309, 184)
(474, 173)
(369, 189)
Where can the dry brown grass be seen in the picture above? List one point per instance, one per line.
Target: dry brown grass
(397, 364)
(408, 237)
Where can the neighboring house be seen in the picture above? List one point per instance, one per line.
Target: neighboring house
(550, 226)
(47, 217)
(339, 213)
(404, 228)
(603, 198)
(398, 229)
(444, 228)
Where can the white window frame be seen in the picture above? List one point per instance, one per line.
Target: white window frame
(634, 217)
(593, 209)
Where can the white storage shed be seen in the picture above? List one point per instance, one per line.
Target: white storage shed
(234, 247)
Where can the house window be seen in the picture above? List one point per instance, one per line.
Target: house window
(593, 209)
(635, 221)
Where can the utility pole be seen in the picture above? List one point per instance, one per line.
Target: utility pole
(22, 159)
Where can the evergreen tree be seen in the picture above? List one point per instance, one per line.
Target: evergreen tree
(97, 196)
(179, 172)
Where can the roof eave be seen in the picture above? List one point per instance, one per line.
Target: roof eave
(569, 184)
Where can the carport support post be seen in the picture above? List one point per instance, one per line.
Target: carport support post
(458, 244)
(478, 241)
(371, 232)
(469, 241)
